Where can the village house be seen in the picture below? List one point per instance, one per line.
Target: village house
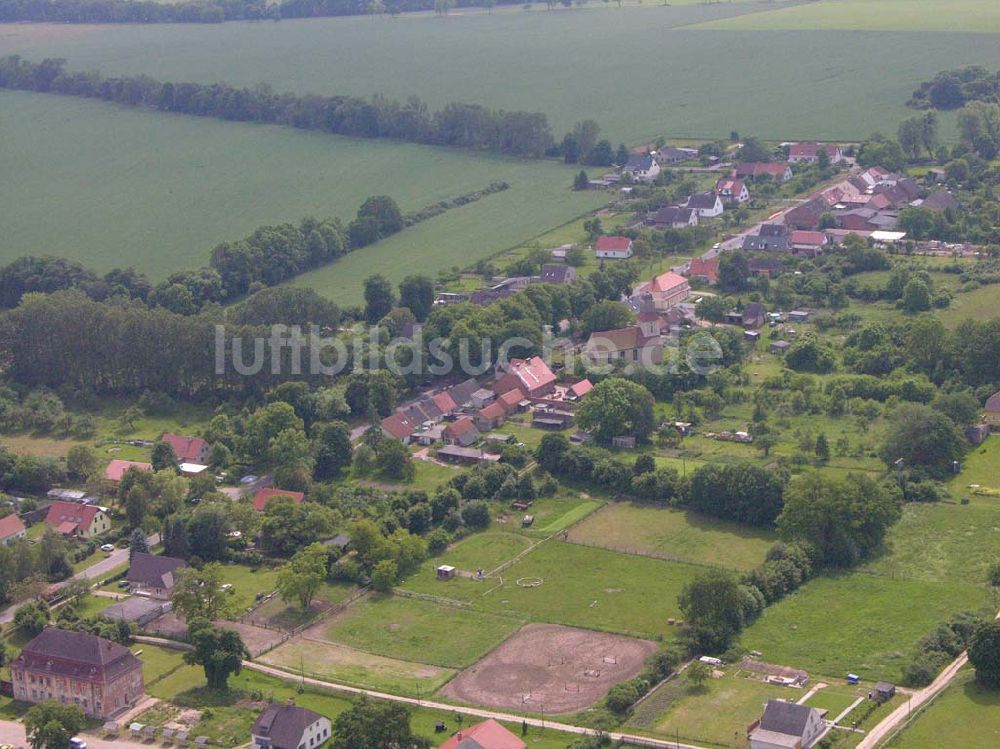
(732, 191)
(786, 725)
(613, 248)
(672, 217)
(289, 727)
(752, 316)
(11, 529)
(512, 401)
(82, 521)
(641, 167)
(767, 242)
(462, 432)
(765, 267)
(558, 274)
(188, 449)
(807, 215)
(754, 171)
(808, 153)
(76, 668)
(486, 735)
(153, 575)
(399, 427)
(263, 497)
(705, 204)
(991, 413)
(706, 271)
(940, 201)
(532, 377)
(579, 389)
(666, 290)
(115, 470)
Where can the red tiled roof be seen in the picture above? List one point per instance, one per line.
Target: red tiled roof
(116, 468)
(509, 400)
(444, 402)
(581, 388)
(735, 186)
(619, 244)
(494, 410)
(776, 170)
(398, 425)
(667, 282)
(10, 525)
(187, 449)
(708, 269)
(817, 238)
(63, 514)
(460, 427)
(263, 496)
(811, 150)
(488, 735)
(533, 374)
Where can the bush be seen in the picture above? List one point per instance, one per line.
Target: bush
(476, 514)
(622, 696)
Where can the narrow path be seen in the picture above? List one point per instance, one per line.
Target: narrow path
(847, 711)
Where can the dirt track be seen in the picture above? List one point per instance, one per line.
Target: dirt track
(550, 669)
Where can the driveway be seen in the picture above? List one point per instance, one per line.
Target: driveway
(95, 572)
(13, 733)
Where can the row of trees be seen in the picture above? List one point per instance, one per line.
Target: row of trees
(525, 134)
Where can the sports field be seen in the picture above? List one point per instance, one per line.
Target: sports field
(111, 186)
(818, 82)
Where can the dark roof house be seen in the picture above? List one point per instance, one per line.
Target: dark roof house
(289, 727)
(154, 573)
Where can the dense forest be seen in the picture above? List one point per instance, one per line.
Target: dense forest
(524, 134)
(211, 11)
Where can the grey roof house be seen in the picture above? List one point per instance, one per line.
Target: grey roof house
(786, 725)
(289, 727)
(152, 574)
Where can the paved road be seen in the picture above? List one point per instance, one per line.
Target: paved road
(116, 559)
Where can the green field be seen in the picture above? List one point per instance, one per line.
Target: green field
(966, 713)
(973, 16)
(569, 64)
(111, 186)
(582, 587)
(343, 665)
(674, 534)
(484, 550)
(420, 631)
(856, 623)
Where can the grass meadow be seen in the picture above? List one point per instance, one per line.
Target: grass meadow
(111, 186)
(582, 587)
(817, 82)
(674, 534)
(420, 631)
(966, 713)
(856, 622)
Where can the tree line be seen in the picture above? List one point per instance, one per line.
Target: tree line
(211, 11)
(472, 126)
(270, 255)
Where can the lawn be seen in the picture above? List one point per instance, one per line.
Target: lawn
(856, 623)
(981, 466)
(978, 304)
(485, 551)
(581, 587)
(86, 190)
(420, 631)
(718, 713)
(973, 16)
(339, 663)
(966, 713)
(703, 77)
(247, 582)
(674, 534)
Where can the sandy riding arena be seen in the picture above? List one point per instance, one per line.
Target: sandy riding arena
(552, 669)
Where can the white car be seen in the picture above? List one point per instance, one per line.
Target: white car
(107, 548)
(77, 743)
(717, 245)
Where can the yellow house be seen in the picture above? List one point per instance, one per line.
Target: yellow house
(991, 414)
(71, 519)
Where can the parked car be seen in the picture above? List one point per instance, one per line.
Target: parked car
(108, 548)
(77, 743)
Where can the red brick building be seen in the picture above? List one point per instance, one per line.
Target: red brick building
(75, 668)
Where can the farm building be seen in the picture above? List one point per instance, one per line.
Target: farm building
(704, 270)
(809, 153)
(135, 610)
(491, 417)
(116, 469)
(187, 449)
(465, 455)
(398, 426)
(532, 377)
(753, 171)
(462, 433)
(558, 274)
